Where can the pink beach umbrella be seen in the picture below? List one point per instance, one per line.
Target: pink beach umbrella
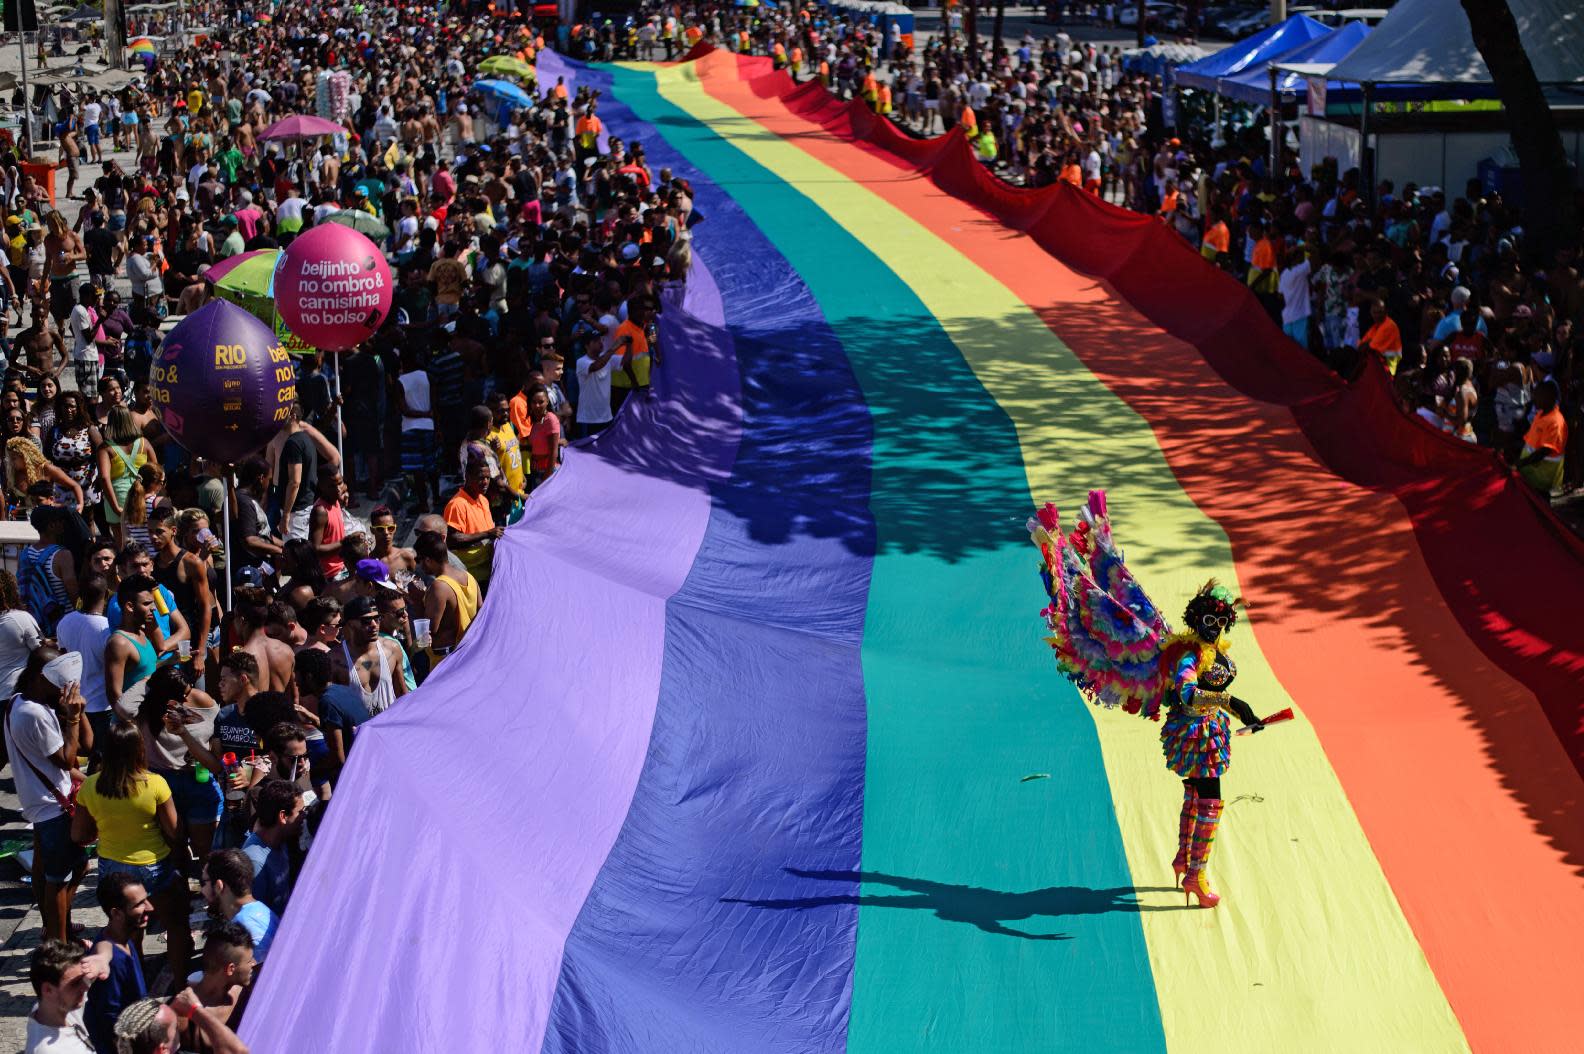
(301, 126)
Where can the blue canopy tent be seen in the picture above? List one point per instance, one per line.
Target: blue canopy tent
(1252, 86)
(1252, 53)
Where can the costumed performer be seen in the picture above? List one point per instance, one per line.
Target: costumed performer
(1112, 643)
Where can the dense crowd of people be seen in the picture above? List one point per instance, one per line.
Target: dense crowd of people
(1476, 321)
(186, 704)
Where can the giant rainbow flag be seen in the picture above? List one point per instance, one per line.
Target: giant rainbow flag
(736, 758)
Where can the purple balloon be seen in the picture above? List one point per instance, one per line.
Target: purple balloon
(223, 383)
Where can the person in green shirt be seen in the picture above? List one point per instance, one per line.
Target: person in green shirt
(233, 113)
(234, 242)
(230, 161)
(985, 145)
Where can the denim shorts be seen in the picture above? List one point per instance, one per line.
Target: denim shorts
(155, 876)
(100, 723)
(61, 857)
(195, 802)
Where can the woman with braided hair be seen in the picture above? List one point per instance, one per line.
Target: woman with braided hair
(1112, 643)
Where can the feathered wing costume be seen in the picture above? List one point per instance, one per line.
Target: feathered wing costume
(1112, 642)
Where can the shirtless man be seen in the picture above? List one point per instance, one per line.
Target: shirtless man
(452, 601)
(275, 660)
(412, 130)
(147, 415)
(148, 139)
(43, 347)
(244, 139)
(69, 154)
(462, 121)
(382, 522)
(366, 660)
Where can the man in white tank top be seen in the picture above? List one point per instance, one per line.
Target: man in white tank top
(366, 660)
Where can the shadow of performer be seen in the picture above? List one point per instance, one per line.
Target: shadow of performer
(987, 909)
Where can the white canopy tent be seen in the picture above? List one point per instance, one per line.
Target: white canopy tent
(1429, 42)
(1424, 50)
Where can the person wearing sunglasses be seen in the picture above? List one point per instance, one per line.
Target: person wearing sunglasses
(1196, 736)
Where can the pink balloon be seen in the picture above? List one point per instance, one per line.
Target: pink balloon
(333, 287)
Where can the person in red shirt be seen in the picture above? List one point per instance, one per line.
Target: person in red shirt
(1469, 343)
(544, 437)
(327, 523)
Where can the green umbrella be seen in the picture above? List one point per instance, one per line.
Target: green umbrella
(246, 274)
(248, 281)
(506, 65)
(371, 226)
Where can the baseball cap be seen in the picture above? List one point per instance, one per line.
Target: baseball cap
(376, 573)
(359, 608)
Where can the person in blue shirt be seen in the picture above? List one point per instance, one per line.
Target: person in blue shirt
(127, 907)
(1451, 323)
(228, 880)
(135, 560)
(278, 806)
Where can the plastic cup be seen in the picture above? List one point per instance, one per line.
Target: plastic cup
(184, 649)
(237, 793)
(421, 632)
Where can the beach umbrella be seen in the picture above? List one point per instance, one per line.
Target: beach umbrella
(370, 226)
(247, 280)
(507, 66)
(504, 92)
(246, 274)
(301, 126)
